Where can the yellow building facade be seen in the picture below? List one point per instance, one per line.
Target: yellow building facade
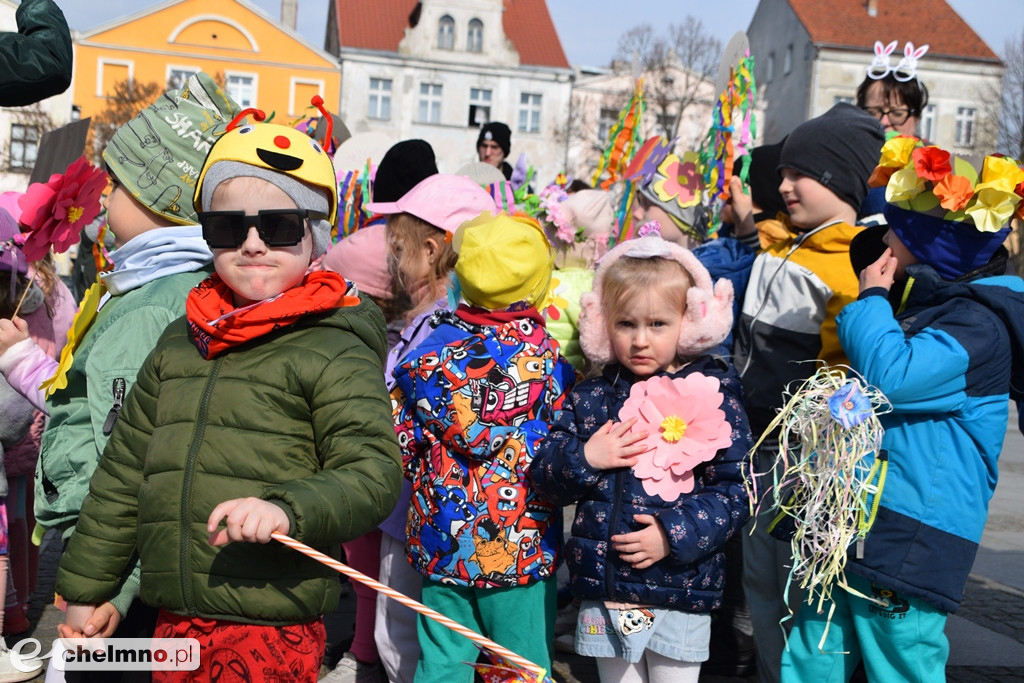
(261, 62)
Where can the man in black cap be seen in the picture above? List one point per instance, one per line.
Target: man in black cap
(493, 144)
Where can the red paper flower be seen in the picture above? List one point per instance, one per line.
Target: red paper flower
(954, 192)
(931, 163)
(686, 427)
(54, 213)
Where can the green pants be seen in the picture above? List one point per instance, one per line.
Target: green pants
(521, 619)
(900, 641)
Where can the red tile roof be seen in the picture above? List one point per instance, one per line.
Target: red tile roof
(931, 22)
(528, 25)
(381, 24)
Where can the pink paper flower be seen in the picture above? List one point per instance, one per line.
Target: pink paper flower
(686, 427)
(55, 212)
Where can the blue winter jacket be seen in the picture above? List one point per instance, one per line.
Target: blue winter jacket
(698, 524)
(946, 362)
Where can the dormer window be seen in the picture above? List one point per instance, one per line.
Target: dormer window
(475, 36)
(446, 33)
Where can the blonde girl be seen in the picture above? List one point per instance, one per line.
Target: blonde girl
(645, 551)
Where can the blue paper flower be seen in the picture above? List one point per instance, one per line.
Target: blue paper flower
(849, 406)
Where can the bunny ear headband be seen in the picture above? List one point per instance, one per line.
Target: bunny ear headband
(906, 69)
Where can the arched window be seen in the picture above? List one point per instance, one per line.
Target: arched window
(446, 33)
(475, 36)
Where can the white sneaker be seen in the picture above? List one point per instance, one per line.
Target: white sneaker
(351, 670)
(9, 674)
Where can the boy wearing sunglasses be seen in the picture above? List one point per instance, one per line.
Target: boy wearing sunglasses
(153, 162)
(263, 410)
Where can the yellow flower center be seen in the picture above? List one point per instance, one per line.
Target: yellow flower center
(74, 213)
(672, 428)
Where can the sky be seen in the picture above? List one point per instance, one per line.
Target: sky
(590, 29)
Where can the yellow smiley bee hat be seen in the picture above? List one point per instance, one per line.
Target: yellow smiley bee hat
(281, 155)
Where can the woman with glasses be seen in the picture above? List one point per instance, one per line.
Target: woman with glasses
(894, 96)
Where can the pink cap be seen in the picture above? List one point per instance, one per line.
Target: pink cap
(445, 201)
(362, 257)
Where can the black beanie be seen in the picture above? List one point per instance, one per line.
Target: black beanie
(402, 168)
(839, 149)
(763, 178)
(498, 132)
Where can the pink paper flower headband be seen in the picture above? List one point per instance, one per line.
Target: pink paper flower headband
(906, 69)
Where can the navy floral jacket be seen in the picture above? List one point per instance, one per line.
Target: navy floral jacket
(697, 523)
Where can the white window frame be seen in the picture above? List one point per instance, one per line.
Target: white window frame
(531, 106)
(171, 69)
(929, 119)
(27, 163)
(102, 63)
(475, 36)
(378, 103)
(428, 106)
(787, 61)
(446, 33)
(318, 82)
(966, 121)
(607, 117)
(480, 98)
(255, 85)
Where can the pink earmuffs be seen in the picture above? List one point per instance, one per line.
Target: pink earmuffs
(708, 317)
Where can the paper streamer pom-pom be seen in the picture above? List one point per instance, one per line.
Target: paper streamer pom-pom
(828, 476)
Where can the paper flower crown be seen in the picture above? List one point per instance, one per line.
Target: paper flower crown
(929, 180)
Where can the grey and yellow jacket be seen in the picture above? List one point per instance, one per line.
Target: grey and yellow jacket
(299, 417)
(787, 321)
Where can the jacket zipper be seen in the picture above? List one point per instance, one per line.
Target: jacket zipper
(119, 388)
(185, 550)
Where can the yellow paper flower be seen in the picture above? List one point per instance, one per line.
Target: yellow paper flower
(896, 152)
(904, 185)
(673, 428)
(1001, 172)
(992, 206)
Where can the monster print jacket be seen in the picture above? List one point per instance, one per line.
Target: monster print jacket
(471, 404)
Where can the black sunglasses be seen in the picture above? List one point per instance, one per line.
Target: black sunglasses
(276, 227)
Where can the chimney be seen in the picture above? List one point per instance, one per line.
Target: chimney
(289, 13)
(872, 8)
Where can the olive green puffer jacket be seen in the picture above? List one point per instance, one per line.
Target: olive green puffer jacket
(299, 417)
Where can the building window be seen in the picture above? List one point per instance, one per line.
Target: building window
(479, 107)
(607, 119)
(664, 125)
(787, 62)
(529, 113)
(380, 99)
(242, 89)
(176, 77)
(446, 33)
(926, 128)
(475, 36)
(24, 146)
(965, 127)
(769, 69)
(430, 103)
